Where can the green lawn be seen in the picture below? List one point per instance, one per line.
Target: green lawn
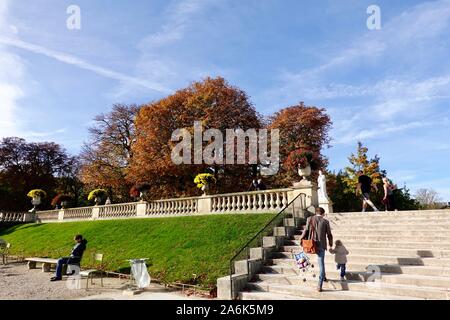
(177, 247)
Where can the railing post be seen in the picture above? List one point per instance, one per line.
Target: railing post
(95, 212)
(204, 205)
(29, 217)
(61, 215)
(141, 209)
(308, 188)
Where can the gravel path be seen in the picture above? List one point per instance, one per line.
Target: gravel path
(17, 282)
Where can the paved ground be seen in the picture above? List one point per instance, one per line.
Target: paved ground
(17, 283)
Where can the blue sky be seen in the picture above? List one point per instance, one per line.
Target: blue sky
(389, 88)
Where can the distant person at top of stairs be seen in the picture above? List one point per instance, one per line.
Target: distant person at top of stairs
(322, 232)
(389, 196)
(364, 187)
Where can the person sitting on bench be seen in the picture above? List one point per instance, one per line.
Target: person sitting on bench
(73, 259)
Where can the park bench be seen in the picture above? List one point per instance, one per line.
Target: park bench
(46, 263)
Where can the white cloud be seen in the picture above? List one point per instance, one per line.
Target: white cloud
(11, 75)
(72, 60)
(178, 16)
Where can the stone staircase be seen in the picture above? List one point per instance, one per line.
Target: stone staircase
(393, 256)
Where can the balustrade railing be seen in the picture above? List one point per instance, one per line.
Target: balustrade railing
(267, 201)
(181, 206)
(11, 217)
(256, 201)
(122, 210)
(78, 213)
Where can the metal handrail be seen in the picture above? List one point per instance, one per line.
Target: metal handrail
(247, 245)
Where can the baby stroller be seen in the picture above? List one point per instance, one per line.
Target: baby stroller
(303, 263)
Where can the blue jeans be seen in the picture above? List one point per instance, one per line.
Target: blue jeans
(342, 267)
(321, 256)
(62, 262)
(59, 266)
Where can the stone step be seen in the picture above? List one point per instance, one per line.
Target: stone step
(418, 280)
(398, 239)
(376, 286)
(255, 295)
(354, 248)
(389, 219)
(437, 271)
(379, 259)
(383, 244)
(424, 213)
(309, 292)
(384, 227)
(407, 233)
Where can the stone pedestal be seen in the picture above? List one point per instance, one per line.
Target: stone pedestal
(141, 209)
(204, 205)
(327, 205)
(311, 202)
(61, 215)
(95, 213)
(29, 217)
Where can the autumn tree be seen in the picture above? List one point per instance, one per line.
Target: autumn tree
(25, 166)
(300, 127)
(105, 158)
(216, 105)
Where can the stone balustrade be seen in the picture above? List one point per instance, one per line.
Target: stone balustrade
(167, 207)
(269, 201)
(121, 210)
(11, 217)
(76, 214)
(255, 202)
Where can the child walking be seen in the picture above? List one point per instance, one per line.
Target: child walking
(340, 256)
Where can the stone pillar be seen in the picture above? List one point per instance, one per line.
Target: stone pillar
(29, 217)
(204, 205)
(308, 188)
(95, 213)
(327, 204)
(61, 215)
(141, 209)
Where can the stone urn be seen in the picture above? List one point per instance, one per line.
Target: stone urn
(63, 204)
(35, 201)
(305, 172)
(98, 200)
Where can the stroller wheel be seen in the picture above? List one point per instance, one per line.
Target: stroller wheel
(312, 266)
(304, 279)
(314, 275)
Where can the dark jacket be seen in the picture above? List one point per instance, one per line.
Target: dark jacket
(77, 251)
(323, 231)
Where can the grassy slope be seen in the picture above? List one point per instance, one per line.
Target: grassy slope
(177, 247)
